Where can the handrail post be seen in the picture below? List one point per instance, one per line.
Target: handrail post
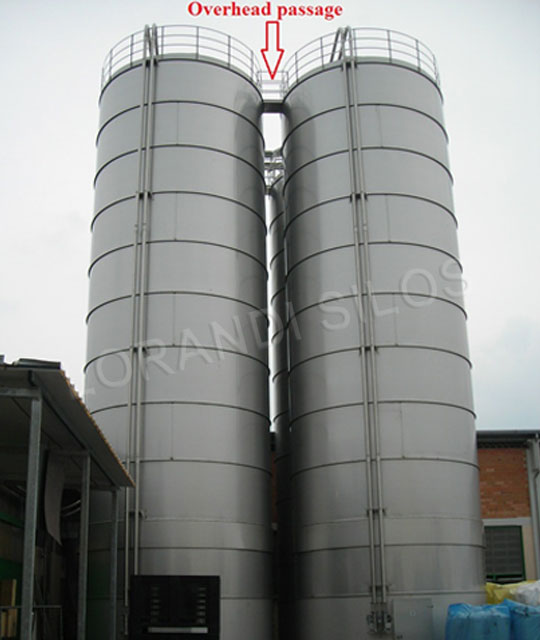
(389, 38)
(155, 43)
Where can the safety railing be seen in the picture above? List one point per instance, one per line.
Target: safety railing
(202, 42)
(273, 166)
(189, 40)
(363, 42)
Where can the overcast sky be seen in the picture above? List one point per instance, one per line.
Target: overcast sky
(489, 58)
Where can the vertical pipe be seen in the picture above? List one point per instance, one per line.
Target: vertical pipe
(113, 564)
(371, 342)
(135, 302)
(143, 282)
(83, 548)
(30, 518)
(361, 330)
(372, 426)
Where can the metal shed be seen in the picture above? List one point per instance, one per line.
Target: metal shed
(42, 417)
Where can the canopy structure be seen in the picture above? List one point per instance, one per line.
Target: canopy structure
(44, 425)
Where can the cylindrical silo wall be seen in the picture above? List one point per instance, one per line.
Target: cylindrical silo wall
(198, 270)
(374, 278)
(280, 406)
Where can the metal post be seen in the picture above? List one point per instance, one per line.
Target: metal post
(83, 548)
(533, 463)
(113, 564)
(30, 519)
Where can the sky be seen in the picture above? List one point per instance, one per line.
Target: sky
(488, 53)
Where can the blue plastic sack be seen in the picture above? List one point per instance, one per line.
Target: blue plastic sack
(488, 622)
(525, 621)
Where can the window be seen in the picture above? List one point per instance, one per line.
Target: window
(504, 554)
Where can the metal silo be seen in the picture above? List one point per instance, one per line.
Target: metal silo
(384, 476)
(176, 372)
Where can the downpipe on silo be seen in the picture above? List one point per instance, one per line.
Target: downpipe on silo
(385, 622)
(141, 338)
(138, 299)
(379, 620)
(371, 331)
(134, 317)
(362, 343)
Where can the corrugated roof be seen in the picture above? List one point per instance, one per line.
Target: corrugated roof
(66, 425)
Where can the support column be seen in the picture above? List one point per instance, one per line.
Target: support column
(533, 468)
(83, 548)
(113, 575)
(30, 518)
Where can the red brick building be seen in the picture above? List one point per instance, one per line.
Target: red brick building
(509, 475)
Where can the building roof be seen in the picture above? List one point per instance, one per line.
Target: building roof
(506, 438)
(67, 426)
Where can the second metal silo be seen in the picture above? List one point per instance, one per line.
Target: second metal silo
(385, 494)
(176, 372)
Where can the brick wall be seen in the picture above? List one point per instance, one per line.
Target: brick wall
(504, 488)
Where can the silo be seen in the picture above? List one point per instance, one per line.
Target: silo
(384, 475)
(176, 371)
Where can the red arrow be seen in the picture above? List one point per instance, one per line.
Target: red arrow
(271, 53)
